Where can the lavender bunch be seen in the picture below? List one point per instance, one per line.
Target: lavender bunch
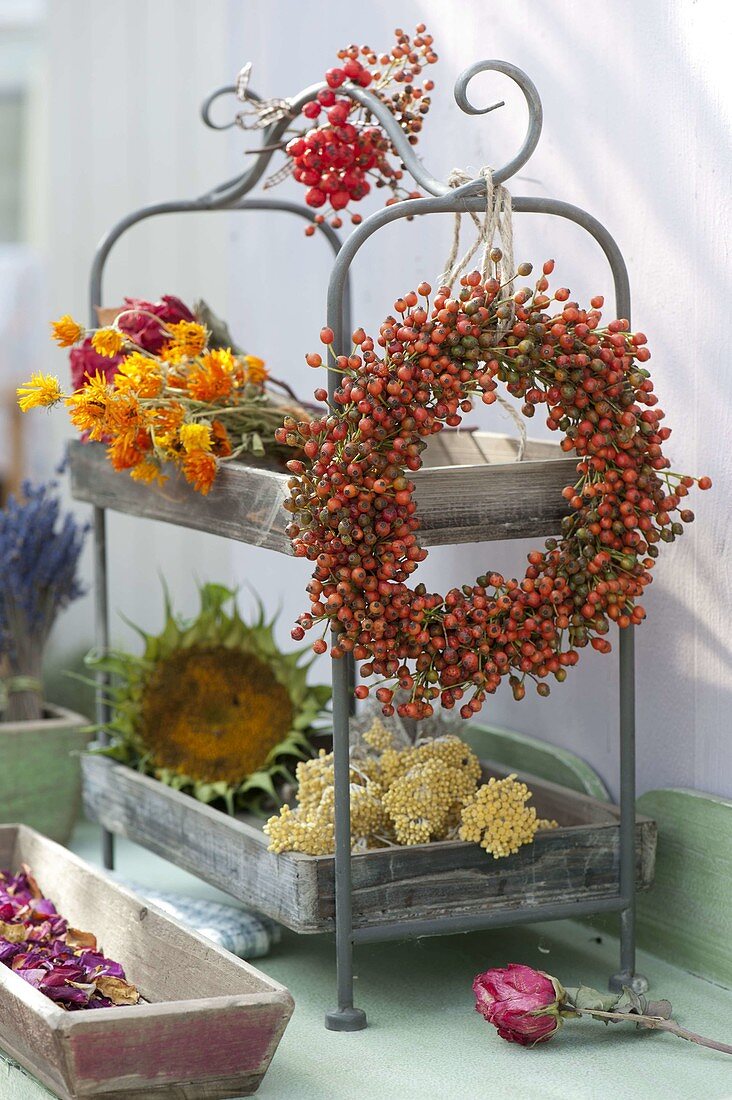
(39, 555)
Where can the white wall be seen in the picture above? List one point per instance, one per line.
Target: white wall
(637, 114)
(120, 121)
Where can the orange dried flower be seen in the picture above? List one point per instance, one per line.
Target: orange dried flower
(148, 471)
(195, 437)
(108, 341)
(168, 417)
(139, 374)
(223, 357)
(86, 416)
(209, 381)
(88, 406)
(123, 416)
(188, 340)
(124, 453)
(172, 355)
(42, 390)
(199, 469)
(66, 331)
(256, 371)
(221, 441)
(96, 388)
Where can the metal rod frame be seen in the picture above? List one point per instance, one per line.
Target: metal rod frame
(474, 922)
(442, 199)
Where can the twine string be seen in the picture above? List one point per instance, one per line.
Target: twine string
(17, 685)
(257, 114)
(496, 224)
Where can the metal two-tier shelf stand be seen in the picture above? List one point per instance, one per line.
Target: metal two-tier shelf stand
(376, 895)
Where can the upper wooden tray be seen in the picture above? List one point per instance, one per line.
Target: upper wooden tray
(470, 490)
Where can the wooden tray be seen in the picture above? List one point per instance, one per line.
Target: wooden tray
(470, 490)
(208, 1031)
(579, 861)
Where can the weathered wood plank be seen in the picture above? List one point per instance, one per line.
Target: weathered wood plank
(573, 864)
(188, 1049)
(687, 917)
(580, 860)
(222, 850)
(456, 504)
(245, 503)
(27, 1033)
(208, 1031)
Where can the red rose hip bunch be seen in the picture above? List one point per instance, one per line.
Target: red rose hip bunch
(338, 159)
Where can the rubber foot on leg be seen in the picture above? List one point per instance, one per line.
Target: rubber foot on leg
(625, 980)
(345, 1019)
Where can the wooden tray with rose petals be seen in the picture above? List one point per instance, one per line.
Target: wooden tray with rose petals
(186, 1019)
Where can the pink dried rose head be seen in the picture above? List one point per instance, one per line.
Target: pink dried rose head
(171, 310)
(144, 329)
(523, 1004)
(86, 363)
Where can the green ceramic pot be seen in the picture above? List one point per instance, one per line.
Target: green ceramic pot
(40, 774)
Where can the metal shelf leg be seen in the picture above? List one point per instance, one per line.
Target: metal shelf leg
(627, 975)
(345, 1017)
(101, 635)
(351, 666)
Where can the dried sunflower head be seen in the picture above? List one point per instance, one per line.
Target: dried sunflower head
(212, 706)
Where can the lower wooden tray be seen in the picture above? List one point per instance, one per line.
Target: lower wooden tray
(578, 861)
(209, 1028)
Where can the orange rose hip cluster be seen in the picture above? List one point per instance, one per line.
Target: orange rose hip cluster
(354, 515)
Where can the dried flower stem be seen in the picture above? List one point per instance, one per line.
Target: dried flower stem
(656, 1023)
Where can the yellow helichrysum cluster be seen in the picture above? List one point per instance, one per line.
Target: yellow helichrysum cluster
(309, 827)
(190, 405)
(425, 802)
(406, 796)
(498, 819)
(298, 831)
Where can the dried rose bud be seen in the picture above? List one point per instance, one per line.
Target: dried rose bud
(86, 363)
(522, 1003)
(144, 329)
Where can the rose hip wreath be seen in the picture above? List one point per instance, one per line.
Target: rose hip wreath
(354, 513)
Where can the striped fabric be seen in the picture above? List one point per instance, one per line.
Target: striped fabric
(246, 934)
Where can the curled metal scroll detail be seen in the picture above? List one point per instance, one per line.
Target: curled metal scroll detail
(533, 102)
(206, 106)
(274, 128)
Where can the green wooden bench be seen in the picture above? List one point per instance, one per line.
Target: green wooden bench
(686, 916)
(527, 754)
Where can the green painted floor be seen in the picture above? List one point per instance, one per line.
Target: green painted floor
(425, 1042)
